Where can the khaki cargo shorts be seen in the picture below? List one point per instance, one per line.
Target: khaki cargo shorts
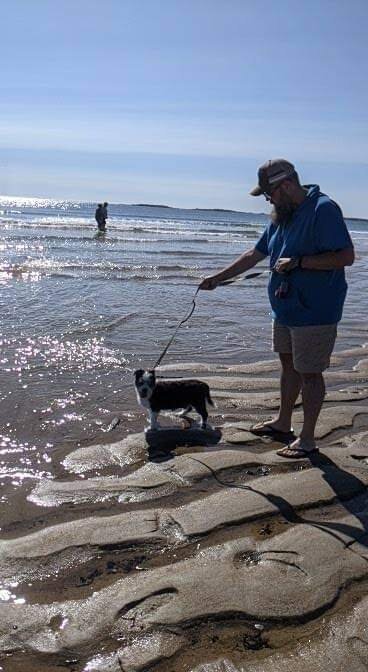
(311, 347)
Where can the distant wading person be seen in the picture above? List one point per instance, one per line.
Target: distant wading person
(104, 215)
(99, 217)
(309, 246)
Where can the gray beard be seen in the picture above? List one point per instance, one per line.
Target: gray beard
(282, 214)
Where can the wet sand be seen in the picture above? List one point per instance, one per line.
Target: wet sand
(217, 558)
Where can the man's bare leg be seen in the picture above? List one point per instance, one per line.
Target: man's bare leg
(290, 385)
(313, 394)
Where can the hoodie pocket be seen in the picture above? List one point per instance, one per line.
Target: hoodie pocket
(290, 308)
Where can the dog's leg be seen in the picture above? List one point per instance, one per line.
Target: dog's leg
(153, 420)
(183, 413)
(202, 411)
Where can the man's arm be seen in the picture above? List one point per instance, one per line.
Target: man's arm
(326, 261)
(329, 261)
(333, 242)
(246, 261)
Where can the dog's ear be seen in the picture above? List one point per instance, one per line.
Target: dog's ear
(138, 374)
(152, 374)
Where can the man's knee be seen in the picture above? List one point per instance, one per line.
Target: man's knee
(310, 378)
(286, 359)
(312, 381)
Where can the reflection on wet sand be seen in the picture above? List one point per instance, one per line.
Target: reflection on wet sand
(198, 558)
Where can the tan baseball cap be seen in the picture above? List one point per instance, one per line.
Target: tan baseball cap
(270, 174)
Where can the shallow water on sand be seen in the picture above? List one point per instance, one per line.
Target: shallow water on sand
(79, 314)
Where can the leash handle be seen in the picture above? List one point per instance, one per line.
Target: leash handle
(249, 276)
(185, 319)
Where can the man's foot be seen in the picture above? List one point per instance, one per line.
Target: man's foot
(271, 429)
(298, 449)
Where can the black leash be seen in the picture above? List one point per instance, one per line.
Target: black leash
(185, 319)
(249, 276)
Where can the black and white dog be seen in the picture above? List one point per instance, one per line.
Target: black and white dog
(171, 395)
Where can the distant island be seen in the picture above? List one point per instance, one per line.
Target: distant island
(152, 205)
(218, 210)
(171, 207)
(238, 212)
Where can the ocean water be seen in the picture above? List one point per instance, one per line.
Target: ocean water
(79, 314)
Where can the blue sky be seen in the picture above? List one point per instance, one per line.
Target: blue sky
(179, 101)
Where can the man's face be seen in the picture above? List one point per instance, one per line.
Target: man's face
(283, 206)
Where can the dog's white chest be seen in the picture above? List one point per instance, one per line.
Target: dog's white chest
(143, 401)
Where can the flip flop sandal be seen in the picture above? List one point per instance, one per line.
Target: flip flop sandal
(297, 453)
(268, 430)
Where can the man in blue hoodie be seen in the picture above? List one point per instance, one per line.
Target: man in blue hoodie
(309, 246)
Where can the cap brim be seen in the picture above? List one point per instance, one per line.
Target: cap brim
(257, 191)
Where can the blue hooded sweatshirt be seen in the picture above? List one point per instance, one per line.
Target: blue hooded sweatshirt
(313, 297)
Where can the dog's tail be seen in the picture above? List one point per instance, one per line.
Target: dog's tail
(208, 398)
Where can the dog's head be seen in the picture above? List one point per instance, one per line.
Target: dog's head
(145, 382)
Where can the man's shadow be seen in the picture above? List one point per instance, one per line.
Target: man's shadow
(346, 487)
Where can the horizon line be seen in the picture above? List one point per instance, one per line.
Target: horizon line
(153, 205)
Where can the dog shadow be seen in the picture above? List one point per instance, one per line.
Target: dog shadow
(162, 442)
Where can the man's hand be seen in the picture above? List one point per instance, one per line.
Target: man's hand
(209, 283)
(286, 264)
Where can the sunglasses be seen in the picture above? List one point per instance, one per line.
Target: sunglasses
(268, 195)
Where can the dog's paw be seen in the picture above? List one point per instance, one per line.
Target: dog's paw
(184, 412)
